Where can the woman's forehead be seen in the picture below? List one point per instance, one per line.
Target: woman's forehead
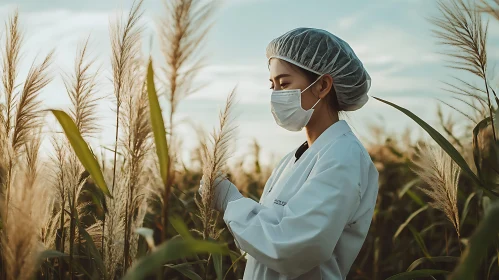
(279, 67)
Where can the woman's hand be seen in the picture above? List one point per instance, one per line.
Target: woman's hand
(224, 192)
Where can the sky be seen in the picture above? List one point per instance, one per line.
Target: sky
(392, 38)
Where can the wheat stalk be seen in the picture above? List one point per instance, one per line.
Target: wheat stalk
(215, 158)
(441, 174)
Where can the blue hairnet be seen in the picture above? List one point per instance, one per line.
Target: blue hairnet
(321, 52)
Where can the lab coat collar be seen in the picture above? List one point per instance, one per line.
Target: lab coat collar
(335, 130)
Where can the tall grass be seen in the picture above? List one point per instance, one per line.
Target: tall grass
(215, 159)
(462, 28)
(22, 113)
(125, 42)
(183, 30)
(81, 89)
(137, 143)
(30, 204)
(78, 224)
(441, 174)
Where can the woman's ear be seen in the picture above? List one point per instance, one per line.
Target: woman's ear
(325, 85)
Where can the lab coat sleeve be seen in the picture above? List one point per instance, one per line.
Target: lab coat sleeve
(269, 182)
(313, 219)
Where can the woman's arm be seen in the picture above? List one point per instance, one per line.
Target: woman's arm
(313, 219)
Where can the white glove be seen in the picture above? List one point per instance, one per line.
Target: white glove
(224, 192)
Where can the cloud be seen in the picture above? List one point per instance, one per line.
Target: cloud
(393, 45)
(348, 22)
(392, 55)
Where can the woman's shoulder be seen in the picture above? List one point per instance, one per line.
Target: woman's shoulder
(346, 147)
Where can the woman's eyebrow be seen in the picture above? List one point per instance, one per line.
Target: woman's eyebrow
(280, 76)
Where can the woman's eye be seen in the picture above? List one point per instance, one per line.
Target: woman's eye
(284, 85)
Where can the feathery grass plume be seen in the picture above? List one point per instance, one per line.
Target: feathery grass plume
(28, 112)
(182, 34)
(114, 230)
(137, 143)
(125, 37)
(441, 174)
(486, 7)
(29, 211)
(461, 27)
(3, 153)
(214, 161)
(56, 228)
(68, 181)
(81, 88)
(10, 63)
(23, 110)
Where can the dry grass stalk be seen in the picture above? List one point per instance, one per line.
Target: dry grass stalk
(197, 153)
(10, 63)
(461, 27)
(68, 183)
(486, 7)
(28, 108)
(214, 162)
(441, 174)
(22, 109)
(488, 157)
(81, 88)
(182, 33)
(114, 230)
(125, 37)
(59, 181)
(29, 208)
(137, 145)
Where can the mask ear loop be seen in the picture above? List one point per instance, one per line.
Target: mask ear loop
(316, 103)
(314, 95)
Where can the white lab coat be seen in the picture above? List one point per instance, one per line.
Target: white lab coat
(314, 220)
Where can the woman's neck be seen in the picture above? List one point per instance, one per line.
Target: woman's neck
(314, 130)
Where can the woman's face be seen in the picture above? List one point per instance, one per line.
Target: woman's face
(283, 76)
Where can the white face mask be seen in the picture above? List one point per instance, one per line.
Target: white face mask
(287, 111)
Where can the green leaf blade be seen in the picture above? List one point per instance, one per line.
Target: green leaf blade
(170, 251)
(81, 149)
(417, 274)
(158, 125)
(445, 145)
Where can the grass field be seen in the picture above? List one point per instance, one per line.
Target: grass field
(138, 215)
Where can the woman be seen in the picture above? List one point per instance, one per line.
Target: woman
(317, 205)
